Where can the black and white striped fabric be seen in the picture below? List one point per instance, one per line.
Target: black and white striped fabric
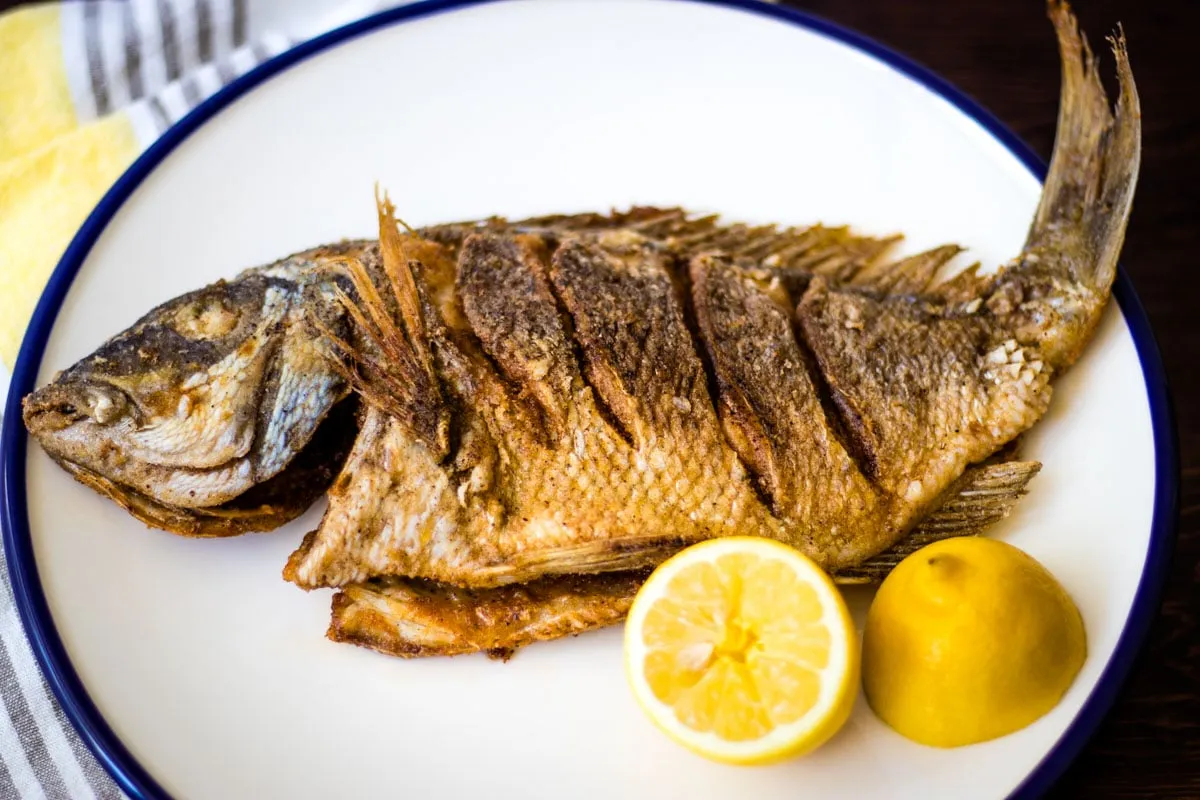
(40, 753)
(157, 59)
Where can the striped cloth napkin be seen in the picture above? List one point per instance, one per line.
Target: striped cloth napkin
(84, 88)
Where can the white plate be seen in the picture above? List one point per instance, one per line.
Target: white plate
(194, 670)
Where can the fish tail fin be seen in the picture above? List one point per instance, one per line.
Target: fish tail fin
(1097, 152)
(984, 495)
(1053, 295)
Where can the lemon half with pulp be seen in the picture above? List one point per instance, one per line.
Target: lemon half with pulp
(742, 650)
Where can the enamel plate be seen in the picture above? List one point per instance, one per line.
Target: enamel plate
(193, 670)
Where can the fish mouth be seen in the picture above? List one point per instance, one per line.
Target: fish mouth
(59, 406)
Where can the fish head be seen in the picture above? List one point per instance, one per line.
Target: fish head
(180, 388)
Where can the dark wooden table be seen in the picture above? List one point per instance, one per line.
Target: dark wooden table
(1002, 53)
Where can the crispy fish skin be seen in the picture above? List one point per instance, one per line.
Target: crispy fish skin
(413, 619)
(263, 507)
(500, 345)
(493, 514)
(626, 462)
(840, 446)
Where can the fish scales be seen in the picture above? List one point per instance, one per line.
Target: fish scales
(772, 411)
(580, 503)
(413, 618)
(506, 349)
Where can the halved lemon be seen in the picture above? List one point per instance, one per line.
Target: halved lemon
(742, 650)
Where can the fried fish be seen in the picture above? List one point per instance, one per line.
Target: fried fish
(413, 618)
(410, 618)
(551, 407)
(604, 398)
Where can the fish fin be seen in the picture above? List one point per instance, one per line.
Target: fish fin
(1054, 293)
(413, 618)
(983, 496)
(391, 364)
(1093, 170)
(964, 286)
(911, 275)
(651, 221)
(794, 252)
(843, 255)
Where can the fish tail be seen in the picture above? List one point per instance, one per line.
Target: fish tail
(1052, 296)
(1089, 189)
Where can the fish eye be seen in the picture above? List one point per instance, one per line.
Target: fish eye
(206, 318)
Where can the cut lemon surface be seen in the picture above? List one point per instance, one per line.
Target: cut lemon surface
(742, 650)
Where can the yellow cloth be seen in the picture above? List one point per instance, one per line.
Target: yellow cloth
(53, 170)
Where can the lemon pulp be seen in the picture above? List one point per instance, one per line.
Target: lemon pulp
(742, 650)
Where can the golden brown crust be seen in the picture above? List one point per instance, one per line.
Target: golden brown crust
(509, 506)
(413, 618)
(923, 390)
(921, 383)
(771, 408)
(629, 323)
(507, 299)
(263, 508)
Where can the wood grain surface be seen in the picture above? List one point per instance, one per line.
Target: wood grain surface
(1002, 53)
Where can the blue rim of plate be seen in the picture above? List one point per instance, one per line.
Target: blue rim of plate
(18, 544)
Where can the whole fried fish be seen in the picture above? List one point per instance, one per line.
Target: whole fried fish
(555, 405)
(605, 398)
